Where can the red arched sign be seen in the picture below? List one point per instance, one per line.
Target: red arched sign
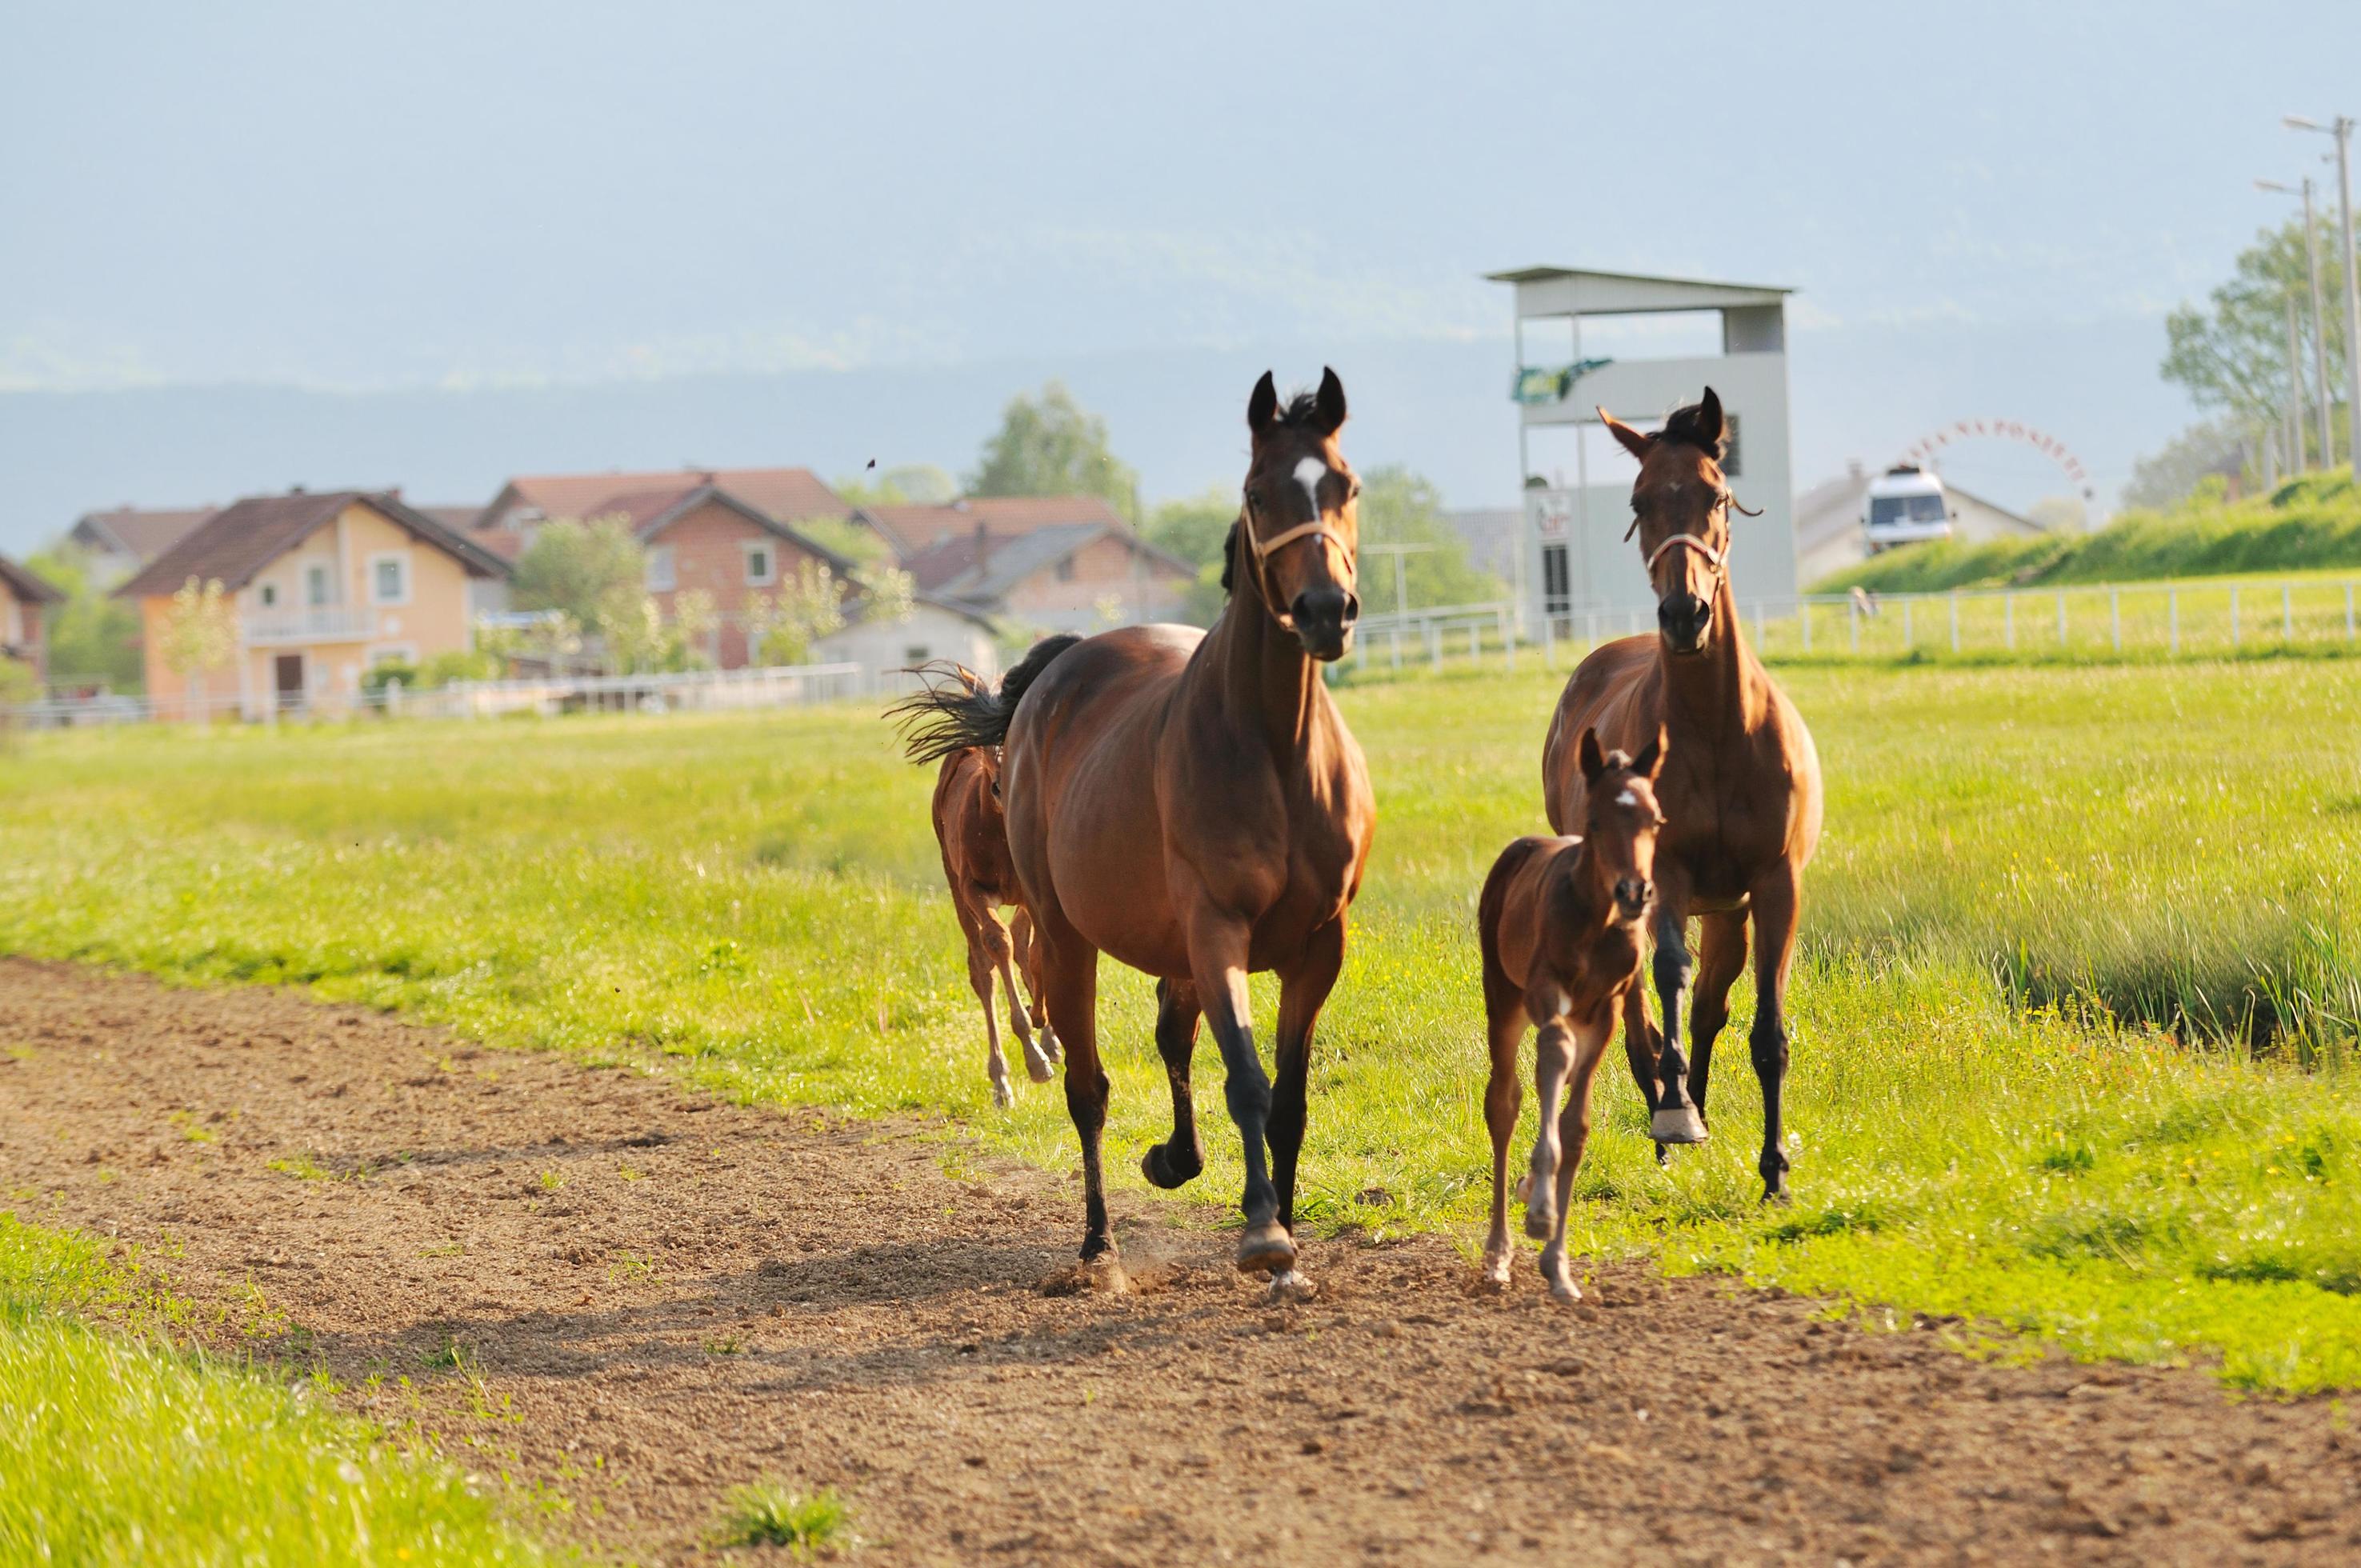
(2015, 429)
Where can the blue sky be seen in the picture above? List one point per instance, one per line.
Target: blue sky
(514, 198)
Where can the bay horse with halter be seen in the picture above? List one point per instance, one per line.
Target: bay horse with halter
(972, 833)
(1559, 925)
(1741, 785)
(1192, 804)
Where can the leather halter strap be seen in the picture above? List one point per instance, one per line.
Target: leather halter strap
(1262, 549)
(1714, 558)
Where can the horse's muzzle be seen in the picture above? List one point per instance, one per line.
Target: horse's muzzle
(1632, 896)
(1684, 619)
(1324, 622)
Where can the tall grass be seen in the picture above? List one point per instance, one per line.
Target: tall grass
(2310, 523)
(2033, 1076)
(122, 1449)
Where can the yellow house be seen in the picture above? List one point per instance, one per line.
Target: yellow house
(321, 586)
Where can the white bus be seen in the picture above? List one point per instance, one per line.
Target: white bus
(1905, 504)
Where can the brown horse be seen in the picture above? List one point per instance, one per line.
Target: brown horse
(1742, 786)
(1192, 804)
(1559, 923)
(973, 835)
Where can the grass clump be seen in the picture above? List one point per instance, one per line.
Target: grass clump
(766, 1513)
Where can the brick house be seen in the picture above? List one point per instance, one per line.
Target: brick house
(24, 599)
(1054, 576)
(323, 586)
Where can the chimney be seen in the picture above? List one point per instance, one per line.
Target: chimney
(982, 544)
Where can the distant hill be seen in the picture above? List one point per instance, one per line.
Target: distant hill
(2311, 523)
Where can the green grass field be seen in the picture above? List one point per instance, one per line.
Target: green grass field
(118, 1448)
(2075, 1012)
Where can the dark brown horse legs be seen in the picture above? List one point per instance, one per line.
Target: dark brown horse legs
(1721, 955)
(1070, 972)
(1672, 1116)
(1775, 903)
(1180, 1157)
(1220, 955)
(1301, 994)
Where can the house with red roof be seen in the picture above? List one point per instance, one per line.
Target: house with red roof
(321, 586)
(1045, 562)
(24, 601)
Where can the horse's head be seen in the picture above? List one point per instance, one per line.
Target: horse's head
(1680, 509)
(1299, 536)
(1621, 818)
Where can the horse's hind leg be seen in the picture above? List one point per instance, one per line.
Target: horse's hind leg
(1036, 1060)
(1776, 901)
(1722, 954)
(1026, 932)
(1180, 1157)
(1504, 1016)
(981, 926)
(1303, 992)
(1070, 972)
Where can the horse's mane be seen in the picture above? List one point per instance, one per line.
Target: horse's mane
(1686, 426)
(1299, 409)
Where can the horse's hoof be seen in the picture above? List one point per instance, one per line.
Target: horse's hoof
(1525, 1187)
(1099, 1275)
(1565, 1291)
(1677, 1124)
(1777, 1197)
(1158, 1167)
(1266, 1248)
(1541, 1221)
(1288, 1286)
(1050, 1045)
(1001, 1099)
(1495, 1276)
(1038, 1067)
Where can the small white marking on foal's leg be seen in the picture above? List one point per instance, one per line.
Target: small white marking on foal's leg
(1308, 473)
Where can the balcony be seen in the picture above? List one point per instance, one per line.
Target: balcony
(322, 623)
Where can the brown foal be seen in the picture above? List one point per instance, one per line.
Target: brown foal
(1559, 923)
(974, 834)
(1742, 787)
(1192, 806)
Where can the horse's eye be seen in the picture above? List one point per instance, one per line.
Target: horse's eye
(1354, 494)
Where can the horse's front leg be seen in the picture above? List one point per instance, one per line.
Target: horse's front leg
(1589, 1041)
(1553, 1060)
(1778, 899)
(1218, 943)
(1673, 1118)
(1177, 1160)
(1302, 991)
(1037, 1061)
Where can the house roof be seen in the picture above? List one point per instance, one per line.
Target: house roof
(911, 528)
(241, 539)
(785, 494)
(27, 588)
(983, 571)
(141, 532)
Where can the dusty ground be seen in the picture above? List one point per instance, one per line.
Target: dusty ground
(653, 1297)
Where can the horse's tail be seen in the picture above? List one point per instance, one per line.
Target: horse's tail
(959, 710)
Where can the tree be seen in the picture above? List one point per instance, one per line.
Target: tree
(583, 568)
(905, 484)
(1052, 446)
(2167, 478)
(1399, 507)
(2232, 353)
(94, 636)
(1194, 527)
(807, 607)
(695, 618)
(199, 634)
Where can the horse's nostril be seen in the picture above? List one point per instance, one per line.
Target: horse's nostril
(1351, 608)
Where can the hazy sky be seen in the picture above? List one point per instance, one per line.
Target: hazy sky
(348, 196)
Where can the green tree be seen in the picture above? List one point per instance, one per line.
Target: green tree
(586, 569)
(1399, 507)
(1193, 527)
(198, 635)
(1050, 446)
(93, 636)
(2165, 479)
(807, 607)
(905, 484)
(2232, 353)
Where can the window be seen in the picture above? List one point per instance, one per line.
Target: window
(389, 579)
(916, 654)
(1557, 596)
(1890, 511)
(660, 578)
(268, 593)
(315, 585)
(762, 563)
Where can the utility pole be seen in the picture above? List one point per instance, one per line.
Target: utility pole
(2296, 464)
(2341, 129)
(2319, 319)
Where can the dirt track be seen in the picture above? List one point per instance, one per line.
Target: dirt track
(714, 1294)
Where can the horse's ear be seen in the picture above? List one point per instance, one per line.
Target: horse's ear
(1263, 407)
(1329, 407)
(1632, 441)
(1230, 546)
(1594, 760)
(1651, 760)
(1709, 420)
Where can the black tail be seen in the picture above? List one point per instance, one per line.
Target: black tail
(958, 710)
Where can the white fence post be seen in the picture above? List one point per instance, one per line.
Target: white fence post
(2116, 616)
(2008, 615)
(2233, 615)
(1804, 614)
(2348, 612)
(1955, 621)
(2287, 612)
(2172, 613)
(2061, 619)
(1852, 608)
(1508, 637)
(1906, 623)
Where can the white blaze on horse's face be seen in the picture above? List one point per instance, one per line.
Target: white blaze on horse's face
(1309, 472)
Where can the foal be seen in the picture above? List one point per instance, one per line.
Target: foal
(1560, 928)
(972, 831)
